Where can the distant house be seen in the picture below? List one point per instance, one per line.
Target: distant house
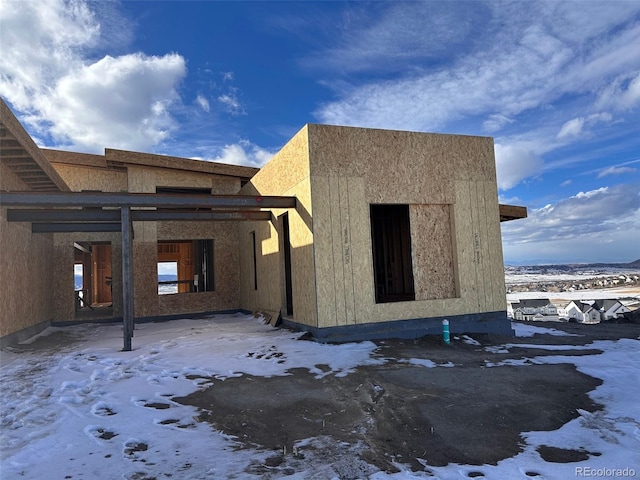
(610, 309)
(535, 309)
(583, 312)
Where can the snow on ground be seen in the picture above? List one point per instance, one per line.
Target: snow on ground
(586, 295)
(88, 410)
(525, 330)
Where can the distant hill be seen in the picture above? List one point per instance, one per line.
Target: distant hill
(579, 266)
(161, 278)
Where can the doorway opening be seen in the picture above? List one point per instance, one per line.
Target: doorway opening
(93, 281)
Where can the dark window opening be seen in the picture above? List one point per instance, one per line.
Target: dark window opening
(392, 264)
(255, 261)
(187, 266)
(288, 282)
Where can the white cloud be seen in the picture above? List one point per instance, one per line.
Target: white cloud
(244, 153)
(121, 102)
(572, 128)
(575, 127)
(116, 102)
(622, 94)
(41, 42)
(514, 164)
(616, 171)
(566, 183)
(528, 56)
(604, 220)
(231, 103)
(495, 122)
(202, 101)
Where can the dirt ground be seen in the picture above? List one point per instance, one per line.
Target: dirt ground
(399, 412)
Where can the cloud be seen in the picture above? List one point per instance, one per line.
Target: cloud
(118, 102)
(495, 122)
(616, 171)
(202, 101)
(49, 74)
(606, 220)
(524, 59)
(575, 127)
(515, 163)
(622, 94)
(243, 153)
(566, 183)
(231, 103)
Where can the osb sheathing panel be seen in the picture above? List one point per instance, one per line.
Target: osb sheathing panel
(145, 279)
(26, 275)
(342, 251)
(432, 251)
(286, 169)
(287, 173)
(226, 268)
(479, 246)
(268, 296)
(178, 163)
(87, 178)
(74, 158)
(400, 167)
(455, 237)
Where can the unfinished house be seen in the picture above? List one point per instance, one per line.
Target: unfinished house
(393, 232)
(347, 233)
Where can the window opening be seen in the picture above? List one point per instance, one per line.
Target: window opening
(194, 266)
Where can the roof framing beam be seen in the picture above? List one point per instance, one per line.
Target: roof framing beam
(52, 216)
(101, 199)
(74, 227)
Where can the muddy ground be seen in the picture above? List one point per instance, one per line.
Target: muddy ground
(401, 412)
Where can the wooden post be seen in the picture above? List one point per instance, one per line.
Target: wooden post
(127, 276)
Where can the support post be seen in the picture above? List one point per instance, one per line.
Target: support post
(127, 276)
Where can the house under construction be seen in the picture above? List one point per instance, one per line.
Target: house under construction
(347, 233)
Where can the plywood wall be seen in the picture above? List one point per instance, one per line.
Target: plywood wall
(448, 182)
(226, 296)
(89, 178)
(26, 265)
(286, 174)
(147, 302)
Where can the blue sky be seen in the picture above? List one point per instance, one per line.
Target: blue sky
(557, 84)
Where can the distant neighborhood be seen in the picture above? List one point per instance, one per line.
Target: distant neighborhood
(581, 311)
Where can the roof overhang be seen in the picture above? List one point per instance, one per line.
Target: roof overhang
(512, 212)
(21, 155)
